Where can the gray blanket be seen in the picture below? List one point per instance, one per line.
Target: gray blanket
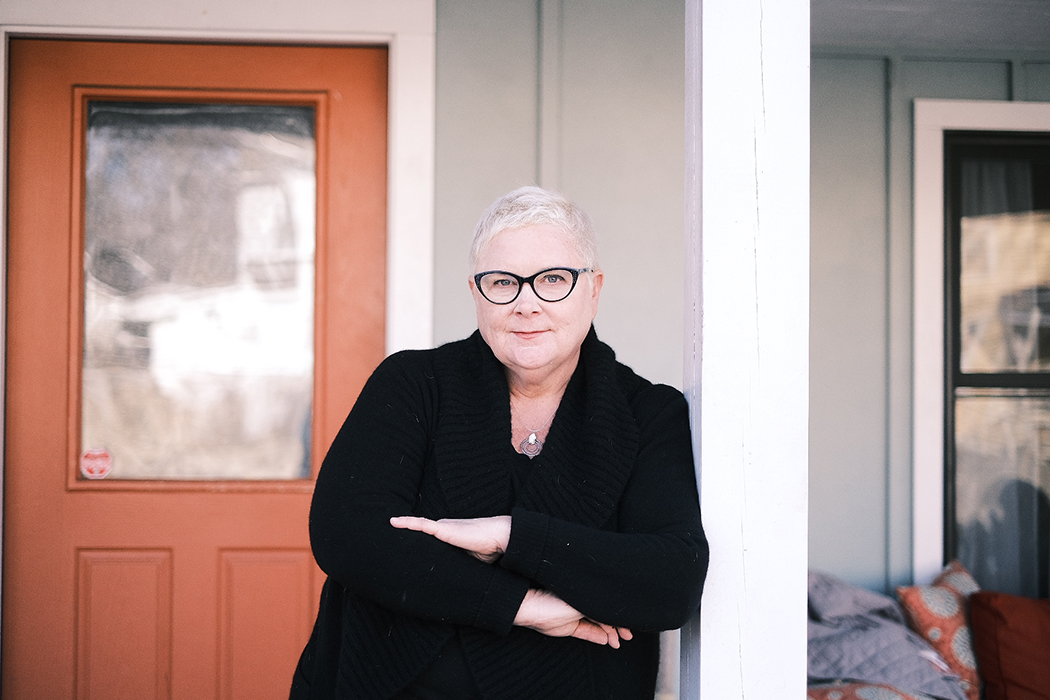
(859, 635)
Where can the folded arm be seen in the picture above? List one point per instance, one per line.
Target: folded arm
(646, 574)
(365, 483)
(373, 472)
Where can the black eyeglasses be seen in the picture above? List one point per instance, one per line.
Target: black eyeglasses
(552, 284)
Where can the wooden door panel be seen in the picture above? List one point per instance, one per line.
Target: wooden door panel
(258, 587)
(192, 590)
(123, 623)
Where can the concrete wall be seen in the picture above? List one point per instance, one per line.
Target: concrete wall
(585, 97)
(861, 305)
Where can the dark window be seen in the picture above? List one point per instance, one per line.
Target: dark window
(997, 417)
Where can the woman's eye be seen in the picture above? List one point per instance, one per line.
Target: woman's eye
(553, 278)
(502, 283)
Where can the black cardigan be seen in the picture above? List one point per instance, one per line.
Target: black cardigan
(608, 519)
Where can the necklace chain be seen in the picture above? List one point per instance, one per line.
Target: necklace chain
(532, 445)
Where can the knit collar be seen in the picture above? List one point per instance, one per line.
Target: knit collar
(587, 456)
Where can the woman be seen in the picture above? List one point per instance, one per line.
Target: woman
(513, 515)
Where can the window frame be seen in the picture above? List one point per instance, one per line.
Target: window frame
(931, 119)
(959, 145)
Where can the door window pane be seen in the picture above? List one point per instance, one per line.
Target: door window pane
(198, 291)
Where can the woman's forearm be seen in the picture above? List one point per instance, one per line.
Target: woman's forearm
(642, 581)
(645, 568)
(373, 472)
(483, 538)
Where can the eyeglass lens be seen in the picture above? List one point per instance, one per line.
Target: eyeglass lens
(550, 285)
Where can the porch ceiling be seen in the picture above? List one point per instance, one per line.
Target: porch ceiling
(941, 25)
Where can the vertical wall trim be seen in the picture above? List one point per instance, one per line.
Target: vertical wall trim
(892, 68)
(689, 673)
(751, 216)
(548, 98)
(1017, 86)
(5, 58)
(410, 191)
(899, 314)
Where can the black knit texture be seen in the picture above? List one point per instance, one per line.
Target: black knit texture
(607, 519)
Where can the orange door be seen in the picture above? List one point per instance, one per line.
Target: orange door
(162, 587)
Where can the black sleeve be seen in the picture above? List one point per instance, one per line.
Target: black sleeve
(647, 571)
(371, 473)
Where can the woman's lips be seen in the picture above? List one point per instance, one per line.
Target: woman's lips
(528, 335)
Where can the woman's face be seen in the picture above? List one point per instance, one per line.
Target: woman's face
(530, 334)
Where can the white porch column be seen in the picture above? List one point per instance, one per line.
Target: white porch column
(747, 377)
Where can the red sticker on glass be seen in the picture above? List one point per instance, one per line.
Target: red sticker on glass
(96, 464)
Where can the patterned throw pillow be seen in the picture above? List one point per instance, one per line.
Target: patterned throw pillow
(940, 613)
(861, 691)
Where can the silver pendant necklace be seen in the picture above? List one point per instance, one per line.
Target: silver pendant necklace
(531, 446)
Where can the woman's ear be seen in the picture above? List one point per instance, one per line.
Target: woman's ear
(598, 278)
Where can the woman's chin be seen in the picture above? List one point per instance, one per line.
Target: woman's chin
(529, 361)
(540, 359)
(529, 355)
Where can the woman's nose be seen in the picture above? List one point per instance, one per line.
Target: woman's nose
(527, 301)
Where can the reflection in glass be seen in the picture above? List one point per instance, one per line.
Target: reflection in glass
(1002, 482)
(1005, 293)
(198, 291)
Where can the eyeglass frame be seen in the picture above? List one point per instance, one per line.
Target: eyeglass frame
(522, 281)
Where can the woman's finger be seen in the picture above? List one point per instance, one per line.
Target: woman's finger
(486, 538)
(611, 634)
(411, 522)
(483, 556)
(590, 632)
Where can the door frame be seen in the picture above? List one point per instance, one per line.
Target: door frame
(408, 30)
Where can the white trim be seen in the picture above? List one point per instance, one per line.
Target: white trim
(410, 188)
(747, 348)
(689, 646)
(932, 119)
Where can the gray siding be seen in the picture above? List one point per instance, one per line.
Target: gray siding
(486, 136)
(848, 339)
(861, 306)
(608, 132)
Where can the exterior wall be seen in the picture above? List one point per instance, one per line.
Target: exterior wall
(848, 319)
(861, 296)
(587, 98)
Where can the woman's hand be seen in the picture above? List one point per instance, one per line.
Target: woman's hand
(542, 611)
(548, 614)
(484, 538)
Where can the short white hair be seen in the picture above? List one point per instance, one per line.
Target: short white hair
(532, 206)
